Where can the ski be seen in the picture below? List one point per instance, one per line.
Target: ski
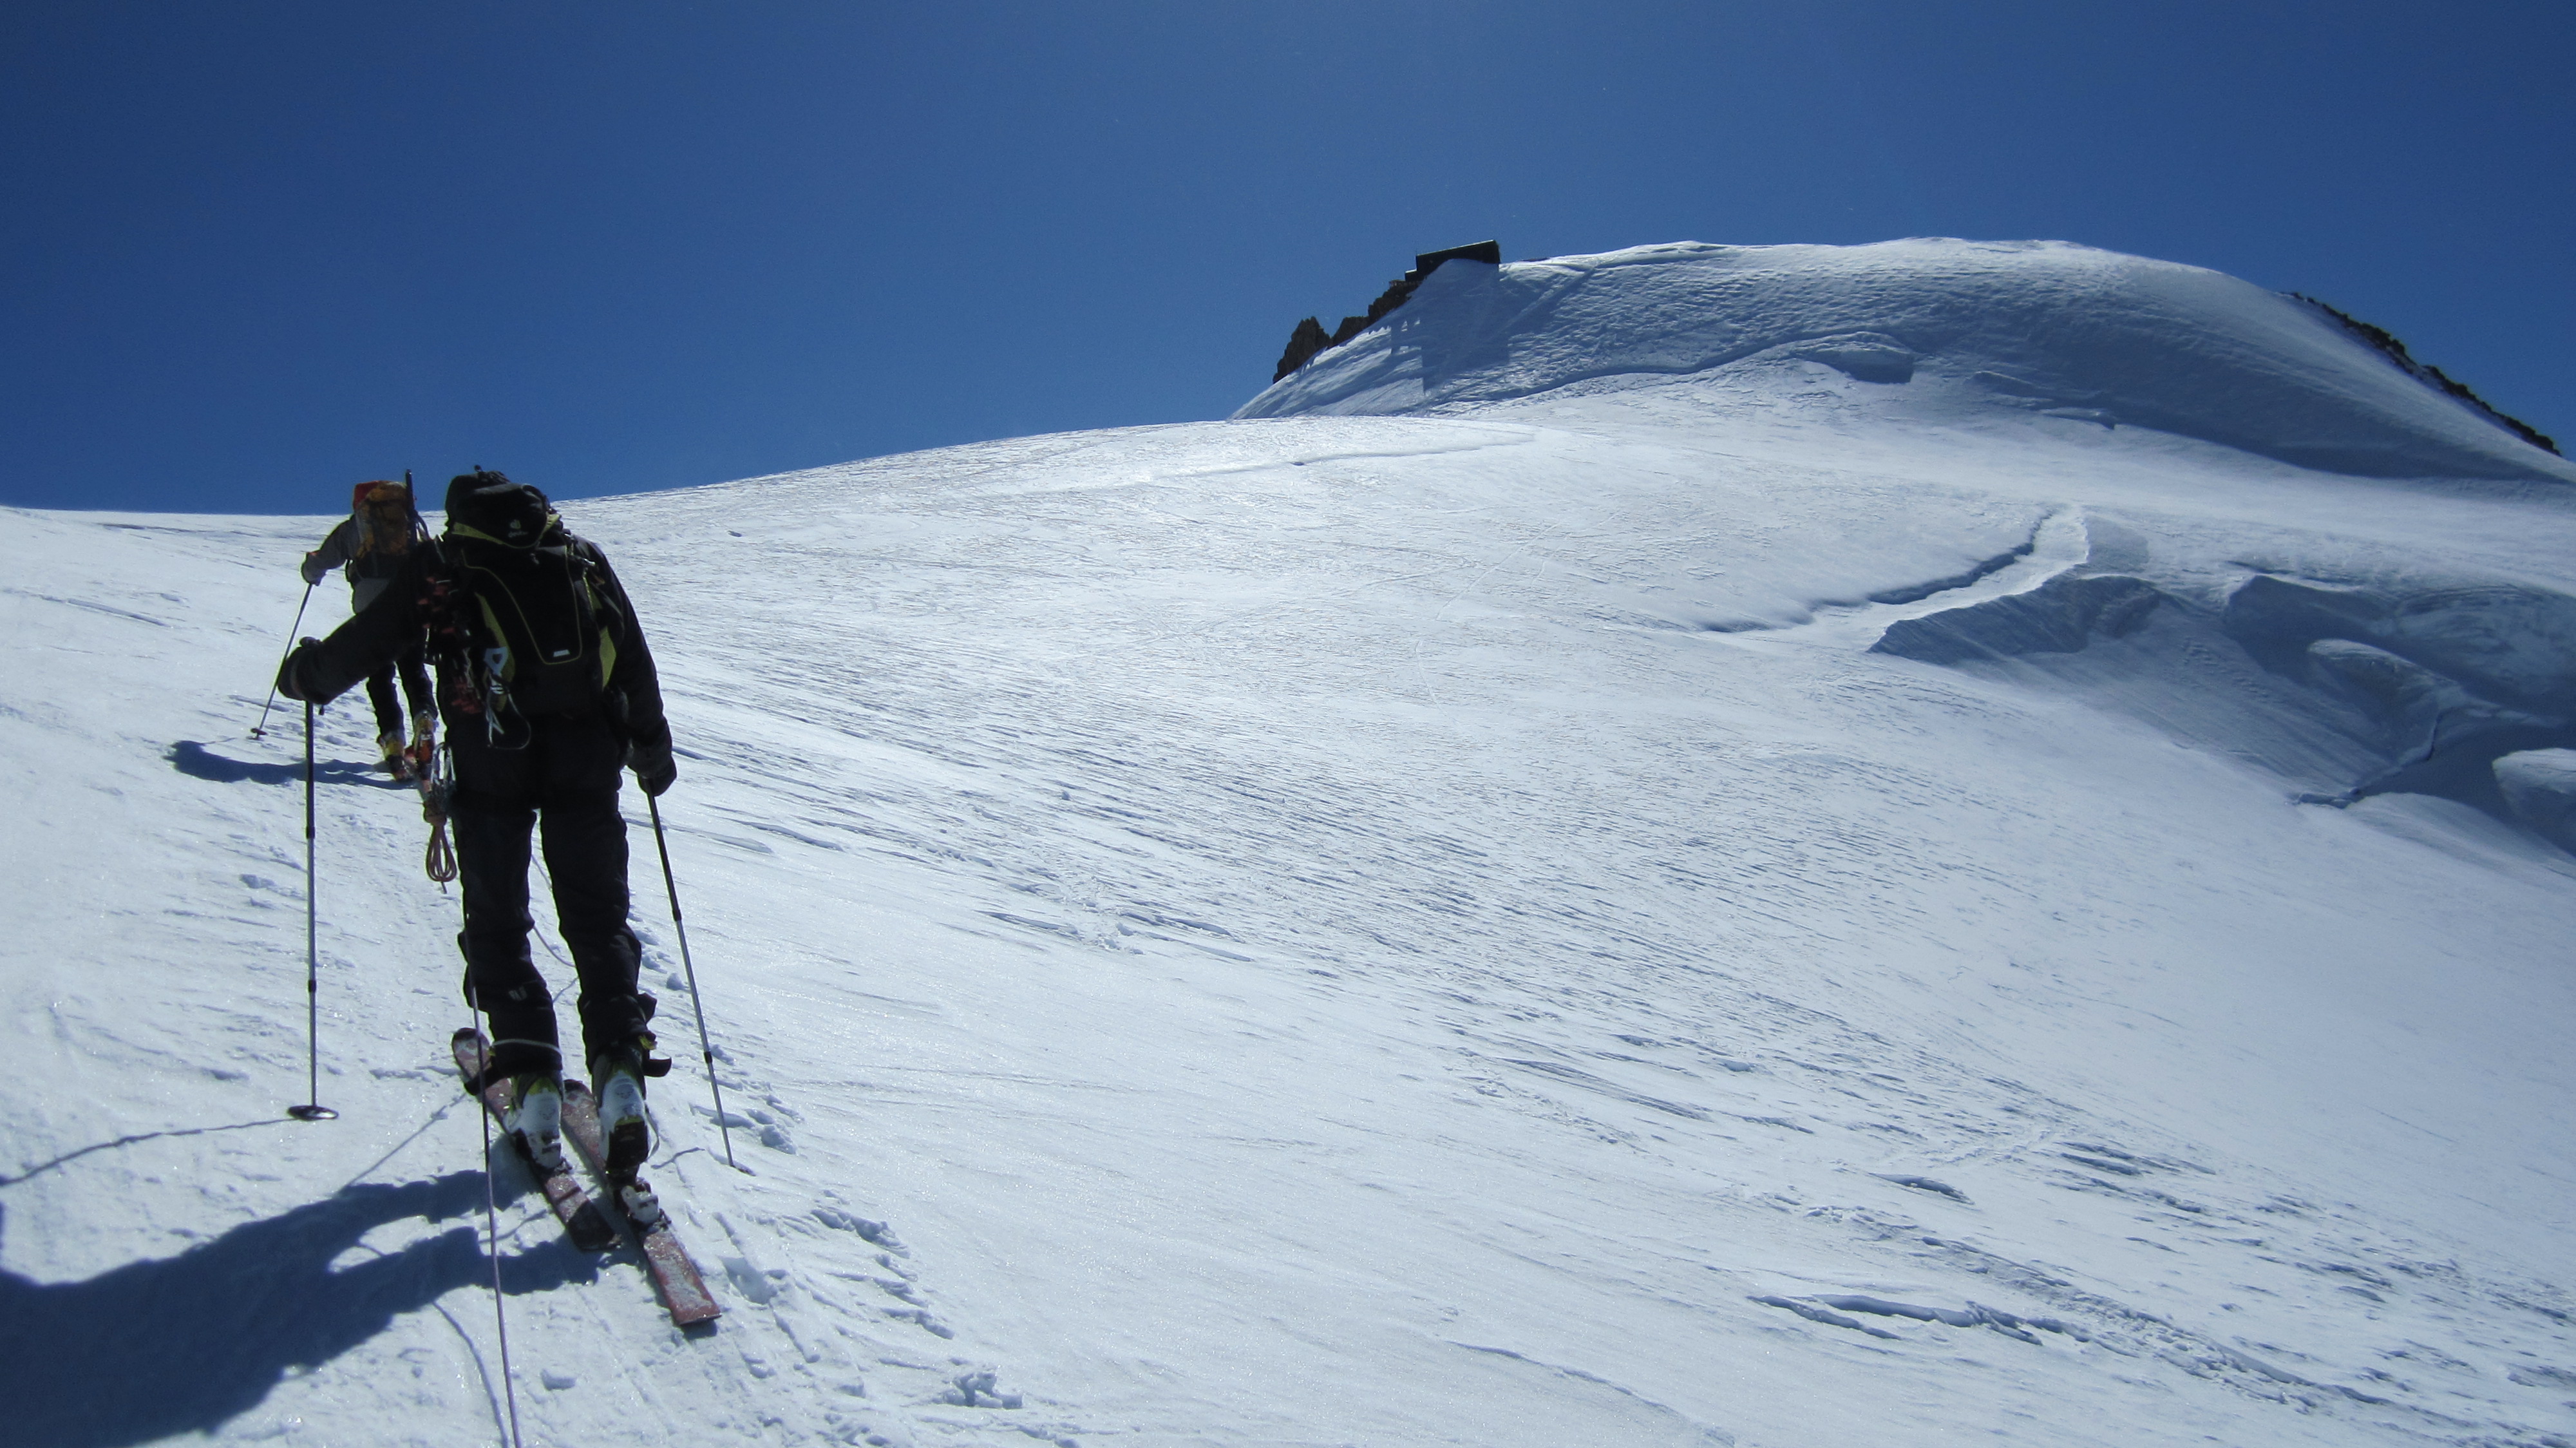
(582, 1219)
(683, 1291)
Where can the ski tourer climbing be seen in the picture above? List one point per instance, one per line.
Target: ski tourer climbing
(548, 689)
(370, 546)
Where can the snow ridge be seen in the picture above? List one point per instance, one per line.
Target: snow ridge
(2045, 327)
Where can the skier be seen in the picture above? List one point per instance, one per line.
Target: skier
(370, 546)
(549, 688)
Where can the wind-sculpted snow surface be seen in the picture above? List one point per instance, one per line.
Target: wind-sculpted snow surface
(1954, 328)
(2352, 674)
(1729, 915)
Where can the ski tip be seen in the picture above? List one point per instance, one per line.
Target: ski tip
(464, 1034)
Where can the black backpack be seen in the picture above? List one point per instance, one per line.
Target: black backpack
(541, 632)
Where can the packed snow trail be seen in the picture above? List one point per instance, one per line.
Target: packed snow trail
(1341, 929)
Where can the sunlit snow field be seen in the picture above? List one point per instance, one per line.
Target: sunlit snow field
(1414, 916)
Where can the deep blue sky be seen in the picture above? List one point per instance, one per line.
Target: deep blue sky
(251, 253)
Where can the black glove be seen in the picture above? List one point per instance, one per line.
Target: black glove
(292, 668)
(655, 770)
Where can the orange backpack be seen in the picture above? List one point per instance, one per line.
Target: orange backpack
(387, 523)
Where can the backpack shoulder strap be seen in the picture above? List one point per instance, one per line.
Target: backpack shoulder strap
(589, 563)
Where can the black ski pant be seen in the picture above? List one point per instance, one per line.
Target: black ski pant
(415, 687)
(561, 788)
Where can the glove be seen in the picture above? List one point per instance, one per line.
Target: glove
(313, 571)
(291, 669)
(655, 770)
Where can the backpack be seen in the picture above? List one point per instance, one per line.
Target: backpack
(387, 523)
(541, 634)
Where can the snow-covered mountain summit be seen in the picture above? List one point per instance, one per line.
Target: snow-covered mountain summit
(1953, 328)
(1668, 889)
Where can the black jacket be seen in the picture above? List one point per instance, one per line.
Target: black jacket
(420, 602)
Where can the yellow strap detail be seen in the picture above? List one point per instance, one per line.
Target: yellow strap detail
(499, 635)
(552, 526)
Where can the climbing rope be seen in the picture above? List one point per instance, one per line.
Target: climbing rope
(441, 860)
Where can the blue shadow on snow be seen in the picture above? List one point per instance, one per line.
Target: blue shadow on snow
(198, 762)
(184, 1344)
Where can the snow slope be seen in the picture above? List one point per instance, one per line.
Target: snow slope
(1651, 893)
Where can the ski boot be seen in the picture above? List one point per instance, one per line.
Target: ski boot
(424, 727)
(617, 1081)
(535, 1118)
(394, 762)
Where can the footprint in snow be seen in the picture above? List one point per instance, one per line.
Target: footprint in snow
(976, 1390)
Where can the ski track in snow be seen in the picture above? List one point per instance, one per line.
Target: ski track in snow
(1329, 930)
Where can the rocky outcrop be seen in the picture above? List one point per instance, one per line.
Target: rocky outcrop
(2386, 342)
(1303, 344)
(1308, 339)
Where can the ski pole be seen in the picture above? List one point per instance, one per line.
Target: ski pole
(492, 1231)
(261, 727)
(312, 1109)
(706, 1051)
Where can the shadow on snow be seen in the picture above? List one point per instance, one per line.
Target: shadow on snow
(183, 1344)
(136, 1138)
(196, 761)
